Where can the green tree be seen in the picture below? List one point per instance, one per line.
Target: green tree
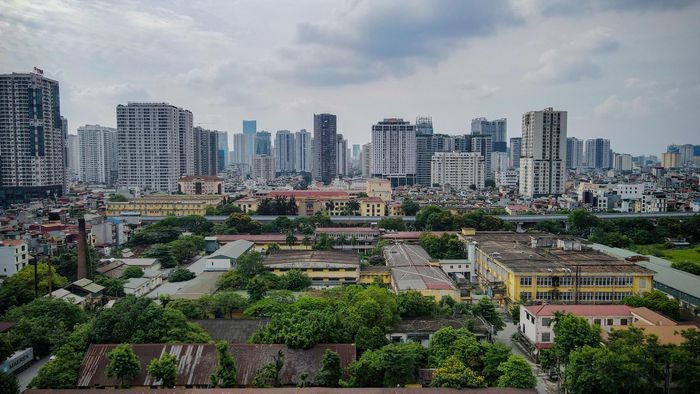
(392, 224)
(243, 224)
(186, 247)
(413, 304)
(118, 198)
(257, 288)
(191, 309)
(225, 374)
(517, 373)
(442, 343)
(123, 365)
(370, 338)
(573, 332)
(401, 362)
(62, 371)
(487, 310)
(656, 301)
(163, 254)
(367, 371)
(132, 272)
(227, 302)
(452, 373)
(496, 354)
(687, 359)
(323, 242)
(250, 265)
(164, 370)
(330, 371)
(8, 383)
(25, 276)
(180, 275)
(582, 221)
(295, 280)
(269, 374)
(409, 207)
(290, 240)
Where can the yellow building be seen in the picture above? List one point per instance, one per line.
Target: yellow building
(165, 205)
(380, 188)
(394, 208)
(326, 268)
(543, 267)
(370, 274)
(372, 206)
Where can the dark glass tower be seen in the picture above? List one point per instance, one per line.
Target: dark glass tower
(325, 165)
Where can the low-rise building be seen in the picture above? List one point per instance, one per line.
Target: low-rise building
(372, 206)
(352, 235)
(421, 330)
(200, 184)
(14, 256)
(142, 286)
(146, 263)
(413, 269)
(381, 188)
(326, 268)
(225, 257)
(651, 202)
(164, 205)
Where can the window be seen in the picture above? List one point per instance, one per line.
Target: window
(546, 337)
(596, 321)
(546, 321)
(609, 322)
(623, 322)
(525, 281)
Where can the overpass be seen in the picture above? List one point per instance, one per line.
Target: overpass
(521, 219)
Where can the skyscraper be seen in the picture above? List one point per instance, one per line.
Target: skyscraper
(483, 144)
(543, 156)
(325, 164)
(206, 151)
(285, 151)
(241, 148)
(598, 153)
(149, 147)
(356, 152)
(366, 160)
(622, 162)
(426, 146)
(222, 142)
(515, 148)
(72, 157)
(574, 153)
(32, 140)
(98, 154)
(343, 159)
(394, 151)
(263, 143)
(460, 170)
(686, 153)
(424, 125)
(498, 129)
(250, 127)
(302, 155)
(263, 167)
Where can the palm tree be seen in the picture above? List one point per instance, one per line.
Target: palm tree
(291, 240)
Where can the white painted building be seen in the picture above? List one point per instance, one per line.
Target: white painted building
(263, 167)
(460, 170)
(302, 151)
(507, 178)
(98, 154)
(285, 150)
(14, 256)
(394, 151)
(543, 153)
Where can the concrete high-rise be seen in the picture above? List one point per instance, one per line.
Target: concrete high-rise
(325, 148)
(98, 154)
(424, 125)
(285, 151)
(686, 154)
(670, 159)
(483, 144)
(32, 139)
(366, 160)
(598, 153)
(72, 157)
(426, 146)
(241, 147)
(342, 153)
(150, 147)
(515, 148)
(263, 143)
(222, 143)
(355, 152)
(460, 170)
(543, 156)
(263, 167)
(302, 151)
(250, 128)
(574, 153)
(498, 129)
(622, 162)
(394, 151)
(206, 151)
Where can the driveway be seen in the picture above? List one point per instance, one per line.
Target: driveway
(26, 376)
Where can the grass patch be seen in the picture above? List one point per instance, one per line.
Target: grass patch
(681, 255)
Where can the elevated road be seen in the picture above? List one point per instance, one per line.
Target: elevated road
(507, 218)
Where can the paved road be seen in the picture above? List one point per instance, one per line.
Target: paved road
(544, 386)
(24, 377)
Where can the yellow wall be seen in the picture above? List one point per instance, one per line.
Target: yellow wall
(326, 274)
(367, 278)
(372, 209)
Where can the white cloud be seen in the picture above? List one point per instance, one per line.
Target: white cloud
(637, 107)
(477, 90)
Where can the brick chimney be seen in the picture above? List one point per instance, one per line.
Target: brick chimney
(82, 250)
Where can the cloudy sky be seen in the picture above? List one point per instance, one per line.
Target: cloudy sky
(628, 70)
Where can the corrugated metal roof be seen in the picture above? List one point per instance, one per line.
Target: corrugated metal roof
(580, 310)
(233, 250)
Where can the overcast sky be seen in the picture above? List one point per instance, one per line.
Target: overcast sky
(628, 70)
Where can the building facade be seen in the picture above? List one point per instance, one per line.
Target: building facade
(263, 167)
(515, 148)
(285, 151)
(574, 153)
(394, 151)
(32, 140)
(98, 154)
(325, 164)
(72, 157)
(622, 162)
(263, 143)
(426, 146)
(14, 255)
(497, 129)
(424, 125)
(302, 151)
(598, 153)
(460, 170)
(206, 151)
(543, 156)
(222, 143)
(366, 160)
(241, 147)
(197, 185)
(342, 155)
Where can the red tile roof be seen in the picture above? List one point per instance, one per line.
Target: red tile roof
(580, 310)
(346, 230)
(308, 193)
(11, 242)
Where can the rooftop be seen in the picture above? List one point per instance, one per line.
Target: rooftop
(649, 317)
(311, 257)
(208, 178)
(369, 230)
(231, 330)
(580, 310)
(308, 193)
(411, 269)
(233, 249)
(667, 335)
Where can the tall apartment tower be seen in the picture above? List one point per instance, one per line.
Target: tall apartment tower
(460, 170)
(598, 153)
(263, 143)
(32, 139)
(497, 128)
(241, 148)
(325, 164)
(98, 154)
(394, 151)
(263, 167)
(150, 145)
(366, 160)
(72, 157)
(424, 125)
(285, 151)
(574, 153)
(206, 151)
(543, 156)
(302, 151)
(343, 157)
(515, 149)
(426, 146)
(222, 143)
(483, 144)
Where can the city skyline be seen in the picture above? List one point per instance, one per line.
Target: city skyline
(606, 67)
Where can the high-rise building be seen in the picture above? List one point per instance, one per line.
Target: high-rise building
(263, 143)
(623, 162)
(462, 143)
(98, 154)
(670, 159)
(186, 143)
(366, 160)
(32, 139)
(241, 148)
(302, 152)
(394, 151)
(222, 142)
(263, 167)
(460, 170)
(356, 152)
(500, 161)
(424, 125)
(498, 129)
(686, 153)
(574, 153)
(325, 148)
(426, 146)
(250, 128)
(285, 151)
(483, 144)
(598, 153)
(150, 148)
(343, 159)
(515, 147)
(543, 155)
(72, 157)
(206, 151)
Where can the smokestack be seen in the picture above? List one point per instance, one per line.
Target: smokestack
(82, 250)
